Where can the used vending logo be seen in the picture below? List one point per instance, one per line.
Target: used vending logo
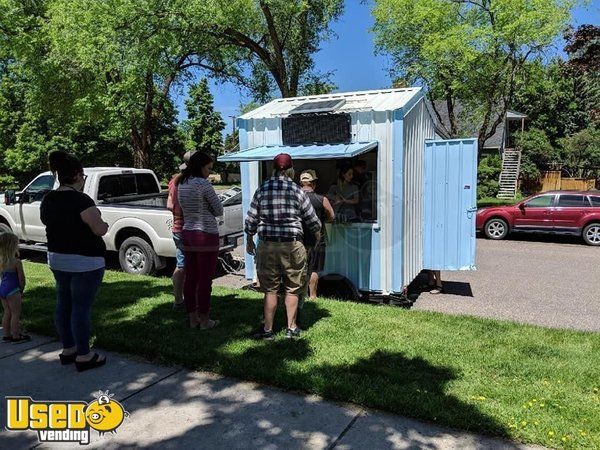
(65, 421)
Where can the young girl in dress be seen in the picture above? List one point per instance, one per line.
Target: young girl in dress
(12, 286)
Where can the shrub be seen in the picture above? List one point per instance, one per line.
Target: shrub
(488, 174)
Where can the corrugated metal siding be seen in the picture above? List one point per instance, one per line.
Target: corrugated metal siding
(381, 100)
(450, 204)
(418, 126)
(353, 251)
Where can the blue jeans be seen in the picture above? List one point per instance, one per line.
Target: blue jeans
(179, 256)
(75, 292)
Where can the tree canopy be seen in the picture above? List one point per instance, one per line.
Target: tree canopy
(468, 50)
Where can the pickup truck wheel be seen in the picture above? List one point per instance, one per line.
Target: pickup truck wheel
(591, 234)
(136, 256)
(496, 229)
(5, 228)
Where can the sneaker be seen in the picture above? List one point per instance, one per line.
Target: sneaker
(292, 334)
(264, 335)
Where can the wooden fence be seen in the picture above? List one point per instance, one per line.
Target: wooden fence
(553, 181)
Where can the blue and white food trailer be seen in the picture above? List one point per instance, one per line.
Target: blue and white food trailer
(424, 194)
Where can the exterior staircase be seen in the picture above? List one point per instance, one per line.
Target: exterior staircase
(511, 165)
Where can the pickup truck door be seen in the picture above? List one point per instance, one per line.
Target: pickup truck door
(29, 208)
(231, 221)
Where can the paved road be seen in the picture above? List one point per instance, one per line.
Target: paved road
(550, 281)
(173, 408)
(553, 281)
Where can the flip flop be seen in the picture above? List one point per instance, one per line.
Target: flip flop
(21, 339)
(67, 359)
(91, 364)
(209, 327)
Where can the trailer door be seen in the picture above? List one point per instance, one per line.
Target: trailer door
(450, 204)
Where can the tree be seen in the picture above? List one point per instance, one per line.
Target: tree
(131, 55)
(547, 93)
(580, 153)
(279, 39)
(583, 49)
(468, 50)
(204, 126)
(537, 153)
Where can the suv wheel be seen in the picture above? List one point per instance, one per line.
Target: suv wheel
(136, 256)
(591, 234)
(496, 229)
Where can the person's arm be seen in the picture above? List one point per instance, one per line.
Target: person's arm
(171, 196)
(328, 210)
(92, 217)
(353, 200)
(251, 223)
(21, 275)
(214, 202)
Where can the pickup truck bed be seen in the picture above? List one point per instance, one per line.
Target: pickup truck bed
(139, 224)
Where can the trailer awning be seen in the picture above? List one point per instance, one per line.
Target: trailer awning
(327, 151)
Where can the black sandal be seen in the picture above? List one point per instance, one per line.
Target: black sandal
(67, 359)
(22, 338)
(91, 364)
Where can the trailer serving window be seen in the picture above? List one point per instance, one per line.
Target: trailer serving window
(354, 195)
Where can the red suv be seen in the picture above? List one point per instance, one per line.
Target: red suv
(561, 212)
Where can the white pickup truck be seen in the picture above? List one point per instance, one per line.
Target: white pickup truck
(132, 204)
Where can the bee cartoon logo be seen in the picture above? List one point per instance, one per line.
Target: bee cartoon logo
(65, 421)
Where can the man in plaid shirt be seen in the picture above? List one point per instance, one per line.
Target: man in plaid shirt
(278, 210)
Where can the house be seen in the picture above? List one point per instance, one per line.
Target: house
(503, 137)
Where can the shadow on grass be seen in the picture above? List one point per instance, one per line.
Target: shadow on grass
(135, 316)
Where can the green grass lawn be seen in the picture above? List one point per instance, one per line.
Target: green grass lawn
(523, 382)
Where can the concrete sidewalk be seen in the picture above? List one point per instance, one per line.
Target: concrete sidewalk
(175, 408)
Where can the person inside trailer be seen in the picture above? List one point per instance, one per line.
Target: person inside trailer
(344, 194)
(366, 187)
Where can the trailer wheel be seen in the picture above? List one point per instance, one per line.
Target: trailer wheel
(137, 257)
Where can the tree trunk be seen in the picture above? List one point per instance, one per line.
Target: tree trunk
(141, 152)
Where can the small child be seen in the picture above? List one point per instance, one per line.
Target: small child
(11, 288)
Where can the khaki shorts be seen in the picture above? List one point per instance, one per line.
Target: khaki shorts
(280, 263)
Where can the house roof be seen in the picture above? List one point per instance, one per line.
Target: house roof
(467, 128)
(381, 100)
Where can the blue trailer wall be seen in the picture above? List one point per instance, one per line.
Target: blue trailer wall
(450, 204)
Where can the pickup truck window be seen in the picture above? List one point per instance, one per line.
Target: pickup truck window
(126, 184)
(38, 188)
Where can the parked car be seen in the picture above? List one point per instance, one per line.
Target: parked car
(559, 212)
(132, 204)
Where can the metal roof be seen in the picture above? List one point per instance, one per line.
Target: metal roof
(381, 100)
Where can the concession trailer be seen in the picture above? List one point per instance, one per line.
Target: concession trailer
(418, 194)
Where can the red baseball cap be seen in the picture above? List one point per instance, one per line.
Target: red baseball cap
(283, 161)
